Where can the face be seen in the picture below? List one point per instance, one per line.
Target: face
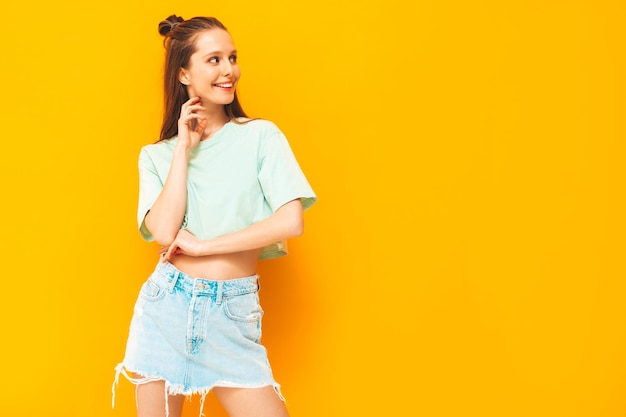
(212, 72)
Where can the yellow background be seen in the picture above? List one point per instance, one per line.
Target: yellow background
(465, 257)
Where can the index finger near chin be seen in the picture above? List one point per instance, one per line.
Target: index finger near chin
(192, 100)
(187, 103)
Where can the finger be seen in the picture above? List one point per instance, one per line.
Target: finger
(194, 100)
(191, 100)
(195, 124)
(202, 123)
(192, 110)
(187, 117)
(187, 120)
(168, 254)
(195, 107)
(198, 125)
(166, 257)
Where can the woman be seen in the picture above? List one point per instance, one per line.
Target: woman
(218, 191)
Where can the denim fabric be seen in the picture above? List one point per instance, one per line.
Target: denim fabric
(196, 334)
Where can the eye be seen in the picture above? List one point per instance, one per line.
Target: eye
(233, 58)
(213, 60)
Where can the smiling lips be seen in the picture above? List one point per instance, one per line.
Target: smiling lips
(224, 85)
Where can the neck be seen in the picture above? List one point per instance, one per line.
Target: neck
(215, 121)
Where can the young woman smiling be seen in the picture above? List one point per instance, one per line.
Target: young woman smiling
(218, 192)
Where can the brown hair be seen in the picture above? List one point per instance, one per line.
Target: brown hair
(180, 43)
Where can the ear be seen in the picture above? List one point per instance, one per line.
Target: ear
(183, 77)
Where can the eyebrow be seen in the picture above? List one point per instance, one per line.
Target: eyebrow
(234, 51)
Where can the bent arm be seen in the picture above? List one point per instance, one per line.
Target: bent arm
(165, 217)
(286, 222)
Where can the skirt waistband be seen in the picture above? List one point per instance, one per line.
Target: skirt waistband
(174, 278)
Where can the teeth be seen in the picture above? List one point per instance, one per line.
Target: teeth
(225, 85)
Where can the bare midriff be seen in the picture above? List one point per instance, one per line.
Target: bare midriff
(218, 267)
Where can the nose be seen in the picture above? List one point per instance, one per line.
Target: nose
(227, 67)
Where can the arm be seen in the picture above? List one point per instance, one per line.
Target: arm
(284, 223)
(166, 214)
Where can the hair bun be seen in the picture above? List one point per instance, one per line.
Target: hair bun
(168, 25)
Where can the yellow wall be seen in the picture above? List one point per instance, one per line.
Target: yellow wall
(466, 254)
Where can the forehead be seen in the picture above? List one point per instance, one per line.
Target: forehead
(214, 40)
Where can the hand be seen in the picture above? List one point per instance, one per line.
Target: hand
(191, 125)
(185, 243)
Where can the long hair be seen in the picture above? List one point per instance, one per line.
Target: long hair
(180, 43)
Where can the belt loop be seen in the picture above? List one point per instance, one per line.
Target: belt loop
(220, 291)
(173, 280)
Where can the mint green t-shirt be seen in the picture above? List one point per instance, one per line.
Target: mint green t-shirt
(238, 177)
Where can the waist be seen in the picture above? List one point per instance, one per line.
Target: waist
(174, 278)
(218, 267)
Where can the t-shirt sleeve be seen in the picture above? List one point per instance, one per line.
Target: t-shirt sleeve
(280, 175)
(150, 186)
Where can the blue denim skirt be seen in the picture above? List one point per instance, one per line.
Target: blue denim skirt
(196, 334)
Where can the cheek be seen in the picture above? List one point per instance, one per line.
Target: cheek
(207, 74)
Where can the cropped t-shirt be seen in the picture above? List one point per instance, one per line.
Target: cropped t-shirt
(238, 177)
